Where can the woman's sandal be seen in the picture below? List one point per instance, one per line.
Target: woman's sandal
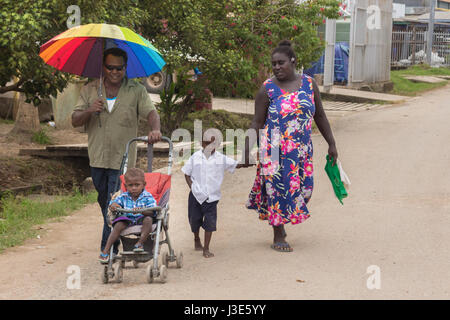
(138, 248)
(281, 247)
(103, 258)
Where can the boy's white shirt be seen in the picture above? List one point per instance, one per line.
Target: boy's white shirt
(207, 174)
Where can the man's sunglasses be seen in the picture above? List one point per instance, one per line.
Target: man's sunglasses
(118, 68)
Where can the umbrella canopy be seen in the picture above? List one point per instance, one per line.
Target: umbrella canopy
(79, 51)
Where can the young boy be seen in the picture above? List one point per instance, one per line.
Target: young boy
(204, 172)
(136, 197)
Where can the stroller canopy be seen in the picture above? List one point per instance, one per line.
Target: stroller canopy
(158, 184)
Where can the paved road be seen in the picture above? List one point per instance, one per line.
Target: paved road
(394, 225)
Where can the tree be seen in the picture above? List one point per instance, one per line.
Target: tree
(232, 40)
(229, 40)
(27, 24)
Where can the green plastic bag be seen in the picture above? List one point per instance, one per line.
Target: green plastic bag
(335, 178)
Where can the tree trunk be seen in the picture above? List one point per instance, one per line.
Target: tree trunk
(27, 118)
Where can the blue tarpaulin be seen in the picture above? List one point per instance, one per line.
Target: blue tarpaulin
(341, 51)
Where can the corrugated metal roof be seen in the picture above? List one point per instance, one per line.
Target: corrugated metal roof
(443, 16)
(415, 19)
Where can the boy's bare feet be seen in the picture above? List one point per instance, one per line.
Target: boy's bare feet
(207, 253)
(198, 244)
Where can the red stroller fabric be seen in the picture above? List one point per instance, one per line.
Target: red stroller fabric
(158, 184)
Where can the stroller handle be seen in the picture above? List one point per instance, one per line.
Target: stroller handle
(145, 139)
(140, 210)
(123, 166)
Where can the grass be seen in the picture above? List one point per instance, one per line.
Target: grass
(424, 70)
(41, 137)
(18, 216)
(6, 121)
(403, 86)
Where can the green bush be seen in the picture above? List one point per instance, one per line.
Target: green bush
(219, 119)
(41, 137)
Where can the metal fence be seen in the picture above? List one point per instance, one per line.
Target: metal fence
(405, 43)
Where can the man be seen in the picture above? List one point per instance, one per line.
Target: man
(111, 123)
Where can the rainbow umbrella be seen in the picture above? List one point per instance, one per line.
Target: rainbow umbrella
(79, 51)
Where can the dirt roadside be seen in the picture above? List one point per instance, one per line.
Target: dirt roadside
(396, 219)
(52, 175)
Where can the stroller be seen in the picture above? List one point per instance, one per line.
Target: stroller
(159, 186)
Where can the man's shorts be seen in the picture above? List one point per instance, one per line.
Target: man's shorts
(202, 215)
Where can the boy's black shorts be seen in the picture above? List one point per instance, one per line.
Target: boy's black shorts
(202, 215)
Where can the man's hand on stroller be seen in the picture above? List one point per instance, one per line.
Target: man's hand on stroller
(154, 136)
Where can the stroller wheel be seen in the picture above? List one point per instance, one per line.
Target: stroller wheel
(149, 273)
(105, 276)
(180, 259)
(163, 274)
(118, 272)
(165, 258)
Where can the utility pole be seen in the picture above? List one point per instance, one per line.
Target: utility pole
(430, 32)
(328, 68)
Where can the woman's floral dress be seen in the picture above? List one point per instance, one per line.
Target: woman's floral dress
(284, 175)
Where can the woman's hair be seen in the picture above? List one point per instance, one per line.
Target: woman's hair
(285, 47)
(134, 173)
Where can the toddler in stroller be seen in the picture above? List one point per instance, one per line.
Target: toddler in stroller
(135, 198)
(141, 210)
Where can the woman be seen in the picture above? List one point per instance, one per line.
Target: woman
(285, 106)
